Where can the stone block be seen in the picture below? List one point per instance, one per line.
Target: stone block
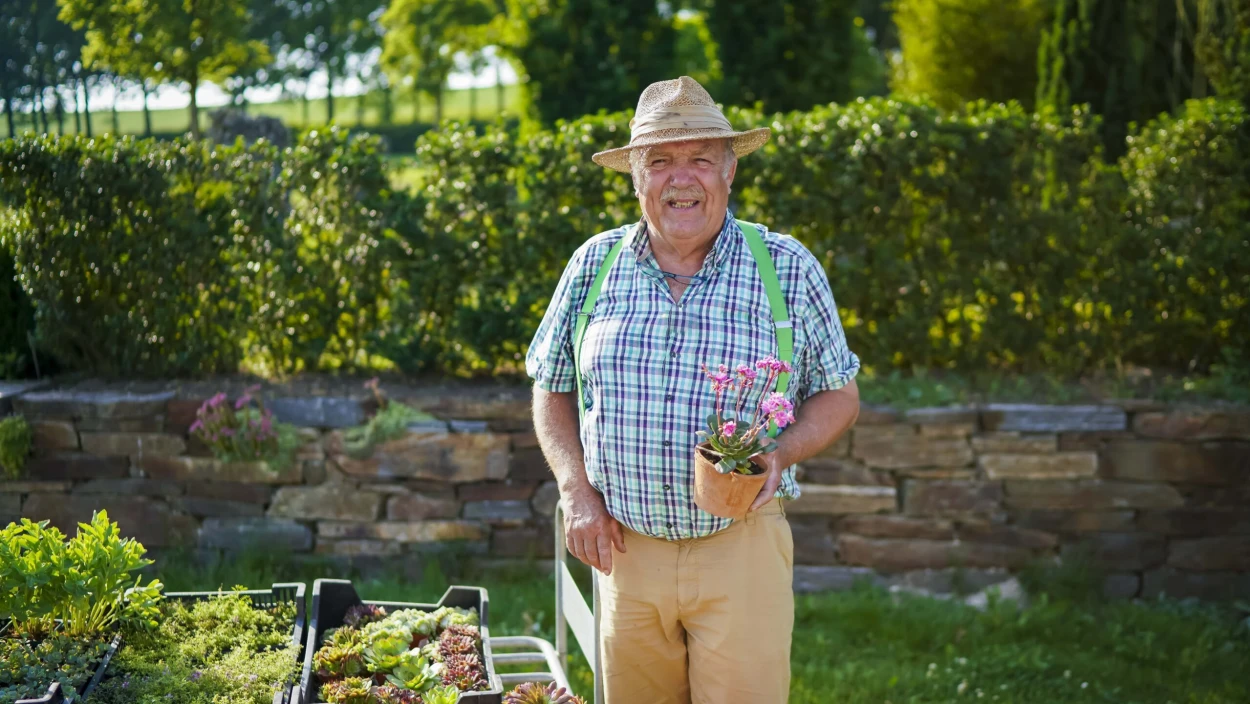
(209, 469)
(873, 414)
(421, 507)
(498, 511)
(943, 415)
(895, 526)
(150, 522)
(8, 487)
(1200, 495)
(326, 502)
(529, 465)
(230, 491)
(1017, 536)
(947, 430)
(10, 390)
(146, 424)
(1192, 463)
(244, 532)
(1090, 442)
(357, 548)
(813, 578)
(1062, 465)
(524, 441)
(404, 532)
(1070, 522)
(951, 497)
(180, 414)
(1179, 584)
(528, 541)
(1121, 585)
(435, 454)
(1120, 551)
(130, 486)
(217, 508)
(494, 403)
(814, 542)
(1090, 495)
(936, 473)
(1225, 552)
(511, 490)
(77, 466)
(54, 435)
(132, 444)
(899, 447)
(1037, 418)
(841, 448)
(815, 498)
(1195, 424)
(468, 426)
(318, 411)
(545, 499)
(898, 555)
(824, 470)
(72, 404)
(311, 449)
(10, 506)
(1195, 521)
(1015, 443)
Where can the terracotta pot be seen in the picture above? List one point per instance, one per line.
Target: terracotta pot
(725, 495)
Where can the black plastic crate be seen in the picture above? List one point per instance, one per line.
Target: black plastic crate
(265, 598)
(55, 695)
(333, 597)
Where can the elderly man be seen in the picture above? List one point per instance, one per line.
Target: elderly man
(695, 607)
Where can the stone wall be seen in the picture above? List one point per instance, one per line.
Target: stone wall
(1159, 494)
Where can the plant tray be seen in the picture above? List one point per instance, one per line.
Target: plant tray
(264, 598)
(55, 695)
(333, 597)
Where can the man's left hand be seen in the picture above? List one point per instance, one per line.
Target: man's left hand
(772, 467)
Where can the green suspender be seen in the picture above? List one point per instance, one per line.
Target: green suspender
(768, 275)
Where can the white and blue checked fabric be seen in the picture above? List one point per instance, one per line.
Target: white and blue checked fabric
(641, 355)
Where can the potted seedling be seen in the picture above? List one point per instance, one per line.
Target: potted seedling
(727, 479)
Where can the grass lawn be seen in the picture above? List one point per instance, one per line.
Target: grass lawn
(866, 646)
(406, 109)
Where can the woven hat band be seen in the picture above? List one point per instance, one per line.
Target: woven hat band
(679, 117)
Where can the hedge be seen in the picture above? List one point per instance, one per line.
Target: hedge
(986, 238)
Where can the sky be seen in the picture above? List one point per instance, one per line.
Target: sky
(210, 95)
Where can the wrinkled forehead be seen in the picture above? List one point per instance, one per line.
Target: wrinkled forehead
(694, 147)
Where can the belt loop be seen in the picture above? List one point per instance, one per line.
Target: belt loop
(782, 503)
(751, 517)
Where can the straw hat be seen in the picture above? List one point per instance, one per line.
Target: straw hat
(677, 111)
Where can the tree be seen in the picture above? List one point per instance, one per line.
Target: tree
(1223, 47)
(1129, 60)
(422, 38)
(332, 31)
(187, 41)
(788, 55)
(955, 51)
(582, 56)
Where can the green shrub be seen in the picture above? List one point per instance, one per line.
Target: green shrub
(17, 319)
(16, 439)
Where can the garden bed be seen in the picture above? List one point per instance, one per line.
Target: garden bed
(333, 599)
(56, 695)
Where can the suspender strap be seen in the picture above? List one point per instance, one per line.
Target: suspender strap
(777, 302)
(772, 287)
(584, 316)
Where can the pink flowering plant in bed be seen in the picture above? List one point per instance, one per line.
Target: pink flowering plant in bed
(736, 433)
(239, 432)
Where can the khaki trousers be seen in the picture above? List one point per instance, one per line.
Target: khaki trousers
(707, 620)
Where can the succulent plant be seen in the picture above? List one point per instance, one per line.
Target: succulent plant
(335, 661)
(390, 694)
(464, 672)
(531, 693)
(464, 630)
(362, 614)
(451, 644)
(413, 672)
(343, 636)
(448, 616)
(351, 690)
(386, 651)
(441, 694)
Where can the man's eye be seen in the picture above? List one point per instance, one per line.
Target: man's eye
(703, 161)
(659, 162)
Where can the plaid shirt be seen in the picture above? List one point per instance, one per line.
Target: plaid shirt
(645, 393)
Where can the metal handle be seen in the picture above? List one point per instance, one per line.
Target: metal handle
(573, 612)
(546, 654)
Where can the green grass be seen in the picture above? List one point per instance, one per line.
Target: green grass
(866, 646)
(405, 110)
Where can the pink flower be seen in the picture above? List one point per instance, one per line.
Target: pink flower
(783, 418)
(228, 432)
(765, 364)
(242, 402)
(746, 372)
(252, 390)
(197, 426)
(728, 428)
(780, 366)
(216, 400)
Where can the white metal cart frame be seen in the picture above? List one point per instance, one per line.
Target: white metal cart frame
(572, 613)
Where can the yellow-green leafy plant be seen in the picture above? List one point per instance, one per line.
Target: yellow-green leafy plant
(389, 423)
(239, 432)
(15, 442)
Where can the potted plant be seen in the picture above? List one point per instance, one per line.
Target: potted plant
(726, 479)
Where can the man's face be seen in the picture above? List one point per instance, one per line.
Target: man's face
(683, 187)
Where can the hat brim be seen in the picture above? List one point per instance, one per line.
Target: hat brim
(743, 143)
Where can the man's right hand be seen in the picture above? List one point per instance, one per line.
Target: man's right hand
(590, 530)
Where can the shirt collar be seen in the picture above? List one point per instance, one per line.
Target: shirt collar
(722, 249)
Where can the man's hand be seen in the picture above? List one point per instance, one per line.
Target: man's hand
(772, 467)
(590, 530)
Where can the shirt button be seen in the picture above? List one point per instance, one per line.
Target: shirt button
(667, 487)
(667, 443)
(670, 397)
(673, 353)
(670, 525)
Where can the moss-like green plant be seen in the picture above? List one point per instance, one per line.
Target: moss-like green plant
(15, 442)
(389, 423)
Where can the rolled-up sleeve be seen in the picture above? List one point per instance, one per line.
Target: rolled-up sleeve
(828, 363)
(549, 359)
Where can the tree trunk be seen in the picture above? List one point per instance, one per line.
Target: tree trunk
(147, 111)
(387, 106)
(117, 91)
(77, 116)
(60, 112)
(360, 108)
(195, 103)
(472, 103)
(41, 108)
(86, 106)
(499, 83)
(305, 99)
(8, 114)
(329, 92)
(438, 106)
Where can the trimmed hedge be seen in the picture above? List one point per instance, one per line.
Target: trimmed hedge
(987, 238)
